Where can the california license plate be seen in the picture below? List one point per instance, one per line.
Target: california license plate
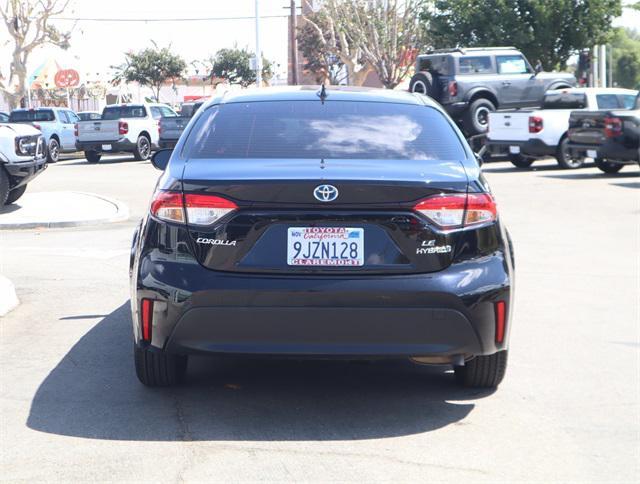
(106, 147)
(592, 154)
(325, 246)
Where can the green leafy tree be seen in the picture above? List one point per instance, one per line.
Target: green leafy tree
(234, 65)
(549, 31)
(28, 26)
(625, 46)
(150, 67)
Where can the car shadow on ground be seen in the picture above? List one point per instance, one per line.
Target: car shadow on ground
(590, 176)
(104, 161)
(93, 393)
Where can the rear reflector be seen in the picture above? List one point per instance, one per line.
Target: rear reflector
(499, 308)
(146, 311)
(458, 210)
(195, 208)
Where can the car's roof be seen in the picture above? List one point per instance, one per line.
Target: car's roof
(473, 52)
(42, 108)
(311, 93)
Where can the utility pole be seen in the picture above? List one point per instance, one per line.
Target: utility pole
(294, 43)
(258, 51)
(602, 64)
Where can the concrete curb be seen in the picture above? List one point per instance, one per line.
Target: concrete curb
(122, 213)
(8, 298)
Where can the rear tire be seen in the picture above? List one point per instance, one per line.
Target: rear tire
(607, 166)
(423, 83)
(142, 151)
(520, 161)
(15, 194)
(53, 151)
(483, 371)
(4, 186)
(476, 117)
(92, 156)
(156, 368)
(563, 156)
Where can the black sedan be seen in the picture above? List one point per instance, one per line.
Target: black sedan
(322, 223)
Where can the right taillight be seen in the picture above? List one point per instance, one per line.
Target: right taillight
(458, 210)
(535, 124)
(197, 209)
(612, 127)
(123, 127)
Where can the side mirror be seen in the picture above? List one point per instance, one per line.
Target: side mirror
(538, 68)
(160, 159)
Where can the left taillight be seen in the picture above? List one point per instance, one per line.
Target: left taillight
(453, 88)
(197, 209)
(458, 210)
(612, 127)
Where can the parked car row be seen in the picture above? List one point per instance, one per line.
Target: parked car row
(570, 126)
(121, 128)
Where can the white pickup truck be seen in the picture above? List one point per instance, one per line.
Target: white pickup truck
(526, 135)
(128, 128)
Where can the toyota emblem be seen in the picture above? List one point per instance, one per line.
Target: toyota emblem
(325, 193)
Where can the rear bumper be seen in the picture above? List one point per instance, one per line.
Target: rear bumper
(456, 110)
(167, 143)
(531, 147)
(23, 172)
(120, 146)
(609, 150)
(197, 310)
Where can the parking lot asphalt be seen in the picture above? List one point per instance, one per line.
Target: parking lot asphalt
(568, 410)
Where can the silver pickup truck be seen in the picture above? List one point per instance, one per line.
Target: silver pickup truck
(128, 128)
(171, 128)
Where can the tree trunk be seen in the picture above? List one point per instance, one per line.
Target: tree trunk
(16, 85)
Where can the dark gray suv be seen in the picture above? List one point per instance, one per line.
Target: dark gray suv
(470, 83)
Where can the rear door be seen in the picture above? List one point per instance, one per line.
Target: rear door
(321, 188)
(67, 133)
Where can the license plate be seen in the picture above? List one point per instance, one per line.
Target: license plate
(514, 150)
(325, 246)
(592, 154)
(106, 147)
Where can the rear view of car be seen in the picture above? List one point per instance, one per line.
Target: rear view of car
(350, 224)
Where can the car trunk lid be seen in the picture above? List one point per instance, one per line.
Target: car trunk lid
(275, 200)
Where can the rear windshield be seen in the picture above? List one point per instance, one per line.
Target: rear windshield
(564, 100)
(117, 112)
(310, 129)
(32, 115)
(88, 116)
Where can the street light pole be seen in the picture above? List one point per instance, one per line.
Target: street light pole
(258, 51)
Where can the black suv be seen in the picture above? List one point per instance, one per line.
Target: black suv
(471, 82)
(340, 223)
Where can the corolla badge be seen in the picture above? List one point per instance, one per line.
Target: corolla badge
(325, 193)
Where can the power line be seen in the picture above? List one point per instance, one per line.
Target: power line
(199, 19)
